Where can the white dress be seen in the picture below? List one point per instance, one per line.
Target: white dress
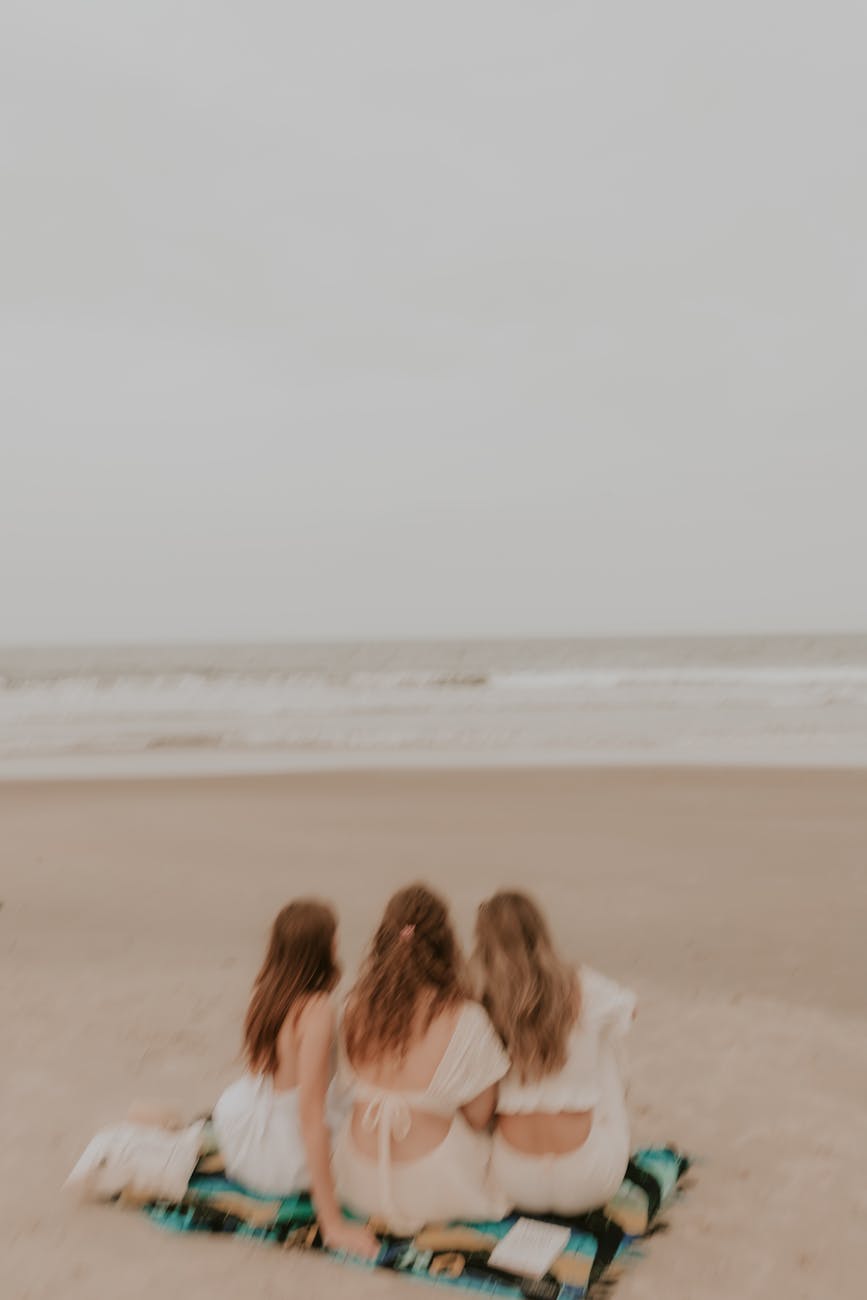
(453, 1180)
(258, 1132)
(591, 1079)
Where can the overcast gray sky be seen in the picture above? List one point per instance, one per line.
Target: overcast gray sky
(457, 318)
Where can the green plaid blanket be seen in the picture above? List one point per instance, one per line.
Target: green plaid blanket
(456, 1254)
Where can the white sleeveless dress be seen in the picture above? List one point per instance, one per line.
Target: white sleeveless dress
(453, 1180)
(258, 1132)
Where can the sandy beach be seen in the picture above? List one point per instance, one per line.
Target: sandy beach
(734, 901)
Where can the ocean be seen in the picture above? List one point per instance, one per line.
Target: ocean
(81, 711)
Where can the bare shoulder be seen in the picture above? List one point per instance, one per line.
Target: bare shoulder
(313, 1021)
(317, 1012)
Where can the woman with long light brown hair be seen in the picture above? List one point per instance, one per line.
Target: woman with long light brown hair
(423, 1062)
(561, 1143)
(272, 1125)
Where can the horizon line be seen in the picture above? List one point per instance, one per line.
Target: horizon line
(229, 642)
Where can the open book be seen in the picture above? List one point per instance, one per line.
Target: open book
(529, 1248)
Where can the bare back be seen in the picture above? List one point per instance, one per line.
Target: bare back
(411, 1073)
(288, 1043)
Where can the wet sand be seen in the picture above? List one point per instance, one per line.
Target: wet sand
(734, 901)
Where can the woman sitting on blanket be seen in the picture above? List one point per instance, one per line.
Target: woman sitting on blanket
(561, 1143)
(423, 1062)
(272, 1125)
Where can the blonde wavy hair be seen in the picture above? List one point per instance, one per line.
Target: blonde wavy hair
(531, 994)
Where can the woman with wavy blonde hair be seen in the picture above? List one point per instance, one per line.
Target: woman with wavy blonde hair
(422, 1061)
(561, 1143)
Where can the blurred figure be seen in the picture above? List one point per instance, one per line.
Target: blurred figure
(561, 1143)
(424, 1062)
(272, 1125)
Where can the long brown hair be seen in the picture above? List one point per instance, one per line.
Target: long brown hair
(530, 993)
(414, 963)
(300, 961)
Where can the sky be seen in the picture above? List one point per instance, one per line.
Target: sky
(461, 319)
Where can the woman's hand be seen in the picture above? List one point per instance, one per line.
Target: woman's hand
(354, 1238)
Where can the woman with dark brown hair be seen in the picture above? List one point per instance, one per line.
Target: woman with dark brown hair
(561, 1143)
(423, 1062)
(272, 1125)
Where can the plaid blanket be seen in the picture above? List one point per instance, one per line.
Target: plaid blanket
(455, 1254)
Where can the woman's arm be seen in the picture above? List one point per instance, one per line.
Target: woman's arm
(483, 1065)
(315, 1034)
(480, 1111)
